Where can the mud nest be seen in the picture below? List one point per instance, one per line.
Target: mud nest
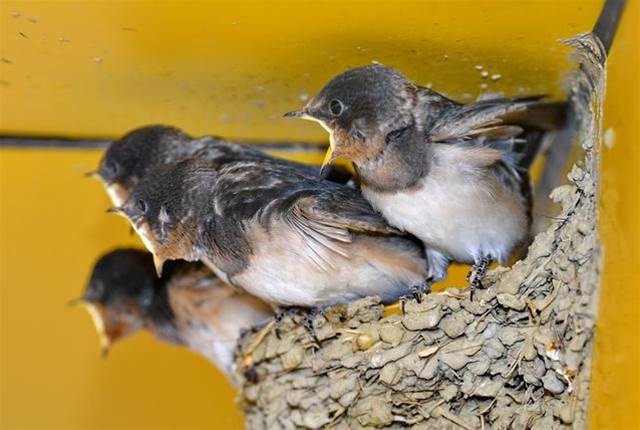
(516, 354)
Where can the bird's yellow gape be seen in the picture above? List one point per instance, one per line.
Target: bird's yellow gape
(99, 322)
(117, 193)
(158, 263)
(328, 156)
(146, 235)
(304, 114)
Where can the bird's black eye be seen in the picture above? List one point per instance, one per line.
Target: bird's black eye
(142, 206)
(96, 292)
(112, 167)
(336, 107)
(146, 298)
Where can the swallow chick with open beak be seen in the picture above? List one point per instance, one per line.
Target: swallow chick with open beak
(188, 306)
(128, 159)
(454, 175)
(273, 231)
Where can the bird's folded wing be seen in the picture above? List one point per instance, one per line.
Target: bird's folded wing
(488, 120)
(327, 219)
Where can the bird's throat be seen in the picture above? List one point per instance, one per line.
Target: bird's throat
(396, 168)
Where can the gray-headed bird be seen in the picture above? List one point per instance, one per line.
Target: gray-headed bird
(187, 306)
(131, 157)
(273, 231)
(454, 175)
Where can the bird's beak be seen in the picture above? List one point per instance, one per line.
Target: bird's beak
(93, 174)
(303, 114)
(117, 211)
(306, 114)
(75, 302)
(158, 262)
(295, 114)
(98, 317)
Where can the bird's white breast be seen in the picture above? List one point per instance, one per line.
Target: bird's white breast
(210, 319)
(463, 214)
(281, 272)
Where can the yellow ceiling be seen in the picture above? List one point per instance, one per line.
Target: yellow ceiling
(232, 68)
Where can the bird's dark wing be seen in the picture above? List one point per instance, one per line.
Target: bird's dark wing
(513, 126)
(246, 188)
(324, 213)
(326, 219)
(501, 134)
(342, 208)
(490, 120)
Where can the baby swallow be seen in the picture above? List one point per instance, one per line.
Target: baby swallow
(127, 160)
(454, 175)
(273, 231)
(188, 306)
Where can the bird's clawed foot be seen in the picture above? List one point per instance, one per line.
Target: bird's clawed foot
(284, 314)
(305, 316)
(478, 271)
(417, 291)
(307, 321)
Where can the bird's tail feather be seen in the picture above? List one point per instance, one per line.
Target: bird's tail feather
(540, 121)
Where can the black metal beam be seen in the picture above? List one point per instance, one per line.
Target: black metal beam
(607, 23)
(605, 28)
(56, 143)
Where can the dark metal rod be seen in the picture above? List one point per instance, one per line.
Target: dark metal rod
(53, 143)
(607, 23)
(605, 28)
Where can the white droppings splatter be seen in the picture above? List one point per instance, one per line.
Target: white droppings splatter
(609, 138)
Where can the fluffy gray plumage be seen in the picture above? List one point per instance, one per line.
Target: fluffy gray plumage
(454, 175)
(274, 231)
(187, 306)
(128, 159)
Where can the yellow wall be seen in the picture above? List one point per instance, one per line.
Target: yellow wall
(205, 67)
(53, 227)
(615, 399)
(234, 68)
